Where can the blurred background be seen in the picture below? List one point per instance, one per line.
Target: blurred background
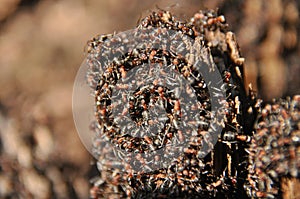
(42, 46)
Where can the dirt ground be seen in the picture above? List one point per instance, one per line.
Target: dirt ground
(41, 49)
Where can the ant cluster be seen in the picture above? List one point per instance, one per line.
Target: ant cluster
(274, 152)
(139, 79)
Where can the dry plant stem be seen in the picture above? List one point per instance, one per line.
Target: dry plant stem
(290, 188)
